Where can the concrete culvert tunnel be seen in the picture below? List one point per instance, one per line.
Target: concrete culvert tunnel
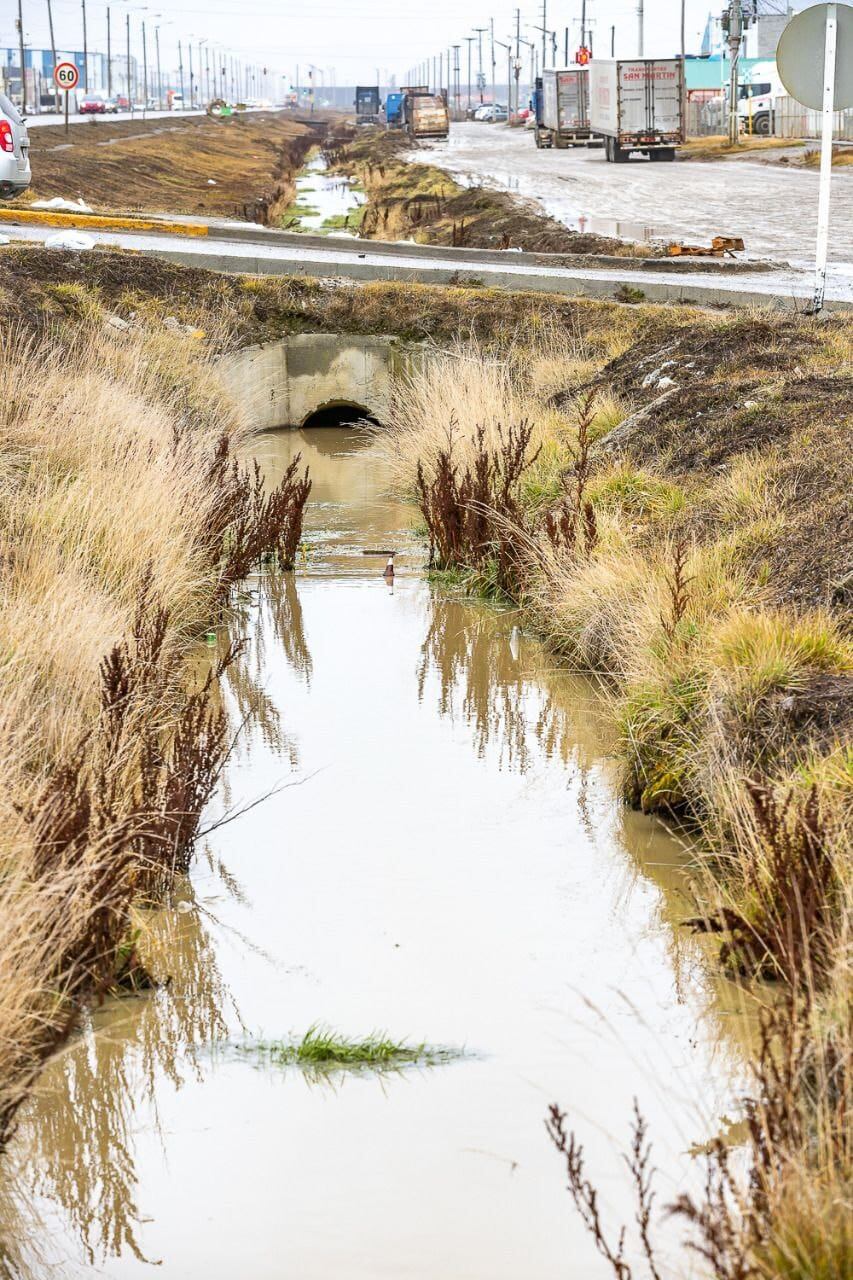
(316, 380)
(341, 414)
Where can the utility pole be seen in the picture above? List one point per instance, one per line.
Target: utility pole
(85, 50)
(190, 48)
(159, 77)
(53, 48)
(129, 87)
(583, 24)
(456, 75)
(494, 80)
(109, 58)
(735, 34)
(613, 42)
(181, 75)
(470, 41)
(544, 34)
(640, 24)
(21, 50)
(517, 63)
(480, 80)
(144, 71)
(566, 49)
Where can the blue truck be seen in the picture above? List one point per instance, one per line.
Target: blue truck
(394, 110)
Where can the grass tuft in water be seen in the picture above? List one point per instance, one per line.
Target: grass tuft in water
(324, 1049)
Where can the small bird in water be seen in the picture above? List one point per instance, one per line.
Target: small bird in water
(388, 575)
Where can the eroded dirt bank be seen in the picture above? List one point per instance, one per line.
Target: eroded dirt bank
(423, 203)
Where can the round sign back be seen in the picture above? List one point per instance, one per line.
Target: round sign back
(800, 56)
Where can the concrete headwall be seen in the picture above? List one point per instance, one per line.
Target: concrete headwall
(280, 384)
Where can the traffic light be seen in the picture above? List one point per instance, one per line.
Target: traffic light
(582, 56)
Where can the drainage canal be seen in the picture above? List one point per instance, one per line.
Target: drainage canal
(340, 414)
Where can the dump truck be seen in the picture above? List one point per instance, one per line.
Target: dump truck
(367, 104)
(561, 103)
(637, 104)
(425, 114)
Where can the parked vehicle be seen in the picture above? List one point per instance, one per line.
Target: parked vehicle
(755, 99)
(394, 110)
(367, 104)
(562, 108)
(637, 105)
(111, 106)
(15, 172)
(425, 114)
(122, 102)
(491, 111)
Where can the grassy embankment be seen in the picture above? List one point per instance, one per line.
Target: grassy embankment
(125, 528)
(423, 203)
(675, 518)
(239, 166)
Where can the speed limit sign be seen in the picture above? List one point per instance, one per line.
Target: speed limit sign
(66, 76)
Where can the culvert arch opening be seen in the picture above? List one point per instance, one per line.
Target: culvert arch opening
(341, 413)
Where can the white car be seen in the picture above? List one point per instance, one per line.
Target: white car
(15, 172)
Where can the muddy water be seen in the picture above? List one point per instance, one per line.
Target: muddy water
(441, 854)
(334, 201)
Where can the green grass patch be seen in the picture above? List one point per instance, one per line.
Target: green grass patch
(323, 1049)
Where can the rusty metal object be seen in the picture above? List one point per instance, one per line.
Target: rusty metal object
(719, 247)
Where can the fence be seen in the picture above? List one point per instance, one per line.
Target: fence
(706, 117)
(792, 120)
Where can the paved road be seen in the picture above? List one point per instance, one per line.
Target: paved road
(248, 249)
(773, 208)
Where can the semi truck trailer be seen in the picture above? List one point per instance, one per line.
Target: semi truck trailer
(425, 114)
(561, 102)
(637, 105)
(366, 104)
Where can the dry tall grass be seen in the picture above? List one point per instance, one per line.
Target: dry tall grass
(120, 517)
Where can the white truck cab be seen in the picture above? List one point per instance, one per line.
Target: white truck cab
(756, 98)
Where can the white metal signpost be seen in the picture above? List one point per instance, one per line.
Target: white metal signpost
(66, 77)
(815, 62)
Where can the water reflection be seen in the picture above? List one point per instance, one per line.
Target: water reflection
(79, 1128)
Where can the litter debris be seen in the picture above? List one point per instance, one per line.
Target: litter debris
(211, 182)
(76, 240)
(720, 246)
(68, 206)
(5, 239)
(116, 322)
(171, 322)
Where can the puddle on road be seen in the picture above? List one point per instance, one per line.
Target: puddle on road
(448, 861)
(326, 203)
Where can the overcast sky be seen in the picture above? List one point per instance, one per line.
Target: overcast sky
(353, 36)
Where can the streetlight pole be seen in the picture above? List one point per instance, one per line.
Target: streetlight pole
(181, 75)
(469, 41)
(109, 58)
(494, 84)
(480, 80)
(640, 24)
